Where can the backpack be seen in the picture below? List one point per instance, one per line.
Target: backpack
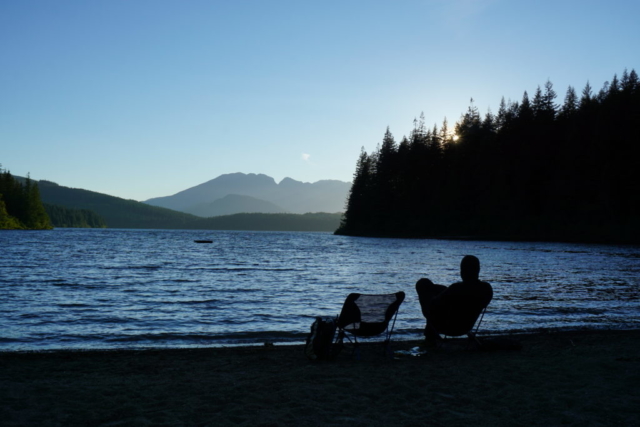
(320, 345)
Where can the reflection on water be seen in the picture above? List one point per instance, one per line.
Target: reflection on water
(120, 288)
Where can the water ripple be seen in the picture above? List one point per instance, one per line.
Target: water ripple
(71, 288)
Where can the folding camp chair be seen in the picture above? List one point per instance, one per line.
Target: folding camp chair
(365, 315)
(460, 318)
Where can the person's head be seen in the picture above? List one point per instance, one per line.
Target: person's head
(470, 268)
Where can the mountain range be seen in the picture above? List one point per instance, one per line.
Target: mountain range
(256, 193)
(121, 213)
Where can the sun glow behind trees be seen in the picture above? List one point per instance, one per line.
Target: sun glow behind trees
(535, 170)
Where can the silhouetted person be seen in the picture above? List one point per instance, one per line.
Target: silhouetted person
(454, 310)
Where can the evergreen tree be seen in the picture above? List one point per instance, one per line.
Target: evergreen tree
(469, 123)
(532, 171)
(501, 118)
(445, 138)
(525, 112)
(356, 212)
(385, 181)
(435, 141)
(37, 217)
(537, 104)
(630, 82)
(603, 93)
(22, 202)
(489, 124)
(387, 156)
(404, 149)
(7, 222)
(587, 95)
(614, 87)
(419, 132)
(549, 108)
(570, 106)
(513, 111)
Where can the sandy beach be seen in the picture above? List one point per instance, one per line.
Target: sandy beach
(561, 378)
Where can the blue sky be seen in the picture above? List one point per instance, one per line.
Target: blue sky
(141, 99)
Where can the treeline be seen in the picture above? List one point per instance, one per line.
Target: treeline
(271, 222)
(73, 218)
(120, 213)
(535, 170)
(116, 212)
(20, 204)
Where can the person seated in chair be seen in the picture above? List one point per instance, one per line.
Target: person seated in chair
(454, 310)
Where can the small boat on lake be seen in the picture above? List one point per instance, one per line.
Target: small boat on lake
(203, 241)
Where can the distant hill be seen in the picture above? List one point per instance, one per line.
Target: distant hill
(290, 195)
(235, 203)
(320, 196)
(121, 213)
(117, 212)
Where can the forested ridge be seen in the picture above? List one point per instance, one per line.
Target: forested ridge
(21, 207)
(116, 212)
(535, 170)
(121, 213)
(71, 207)
(73, 218)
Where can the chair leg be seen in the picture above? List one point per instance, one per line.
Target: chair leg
(473, 340)
(388, 351)
(356, 348)
(355, 352)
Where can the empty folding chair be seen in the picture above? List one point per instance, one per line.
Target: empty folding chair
(366, 315)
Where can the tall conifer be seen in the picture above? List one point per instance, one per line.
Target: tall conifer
(570, 105)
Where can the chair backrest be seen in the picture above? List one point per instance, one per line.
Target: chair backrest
(367, 315)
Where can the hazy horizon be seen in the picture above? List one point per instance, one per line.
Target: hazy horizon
(187, 188)
(144, 99)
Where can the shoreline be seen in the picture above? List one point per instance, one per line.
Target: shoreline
(293, 343)
(396, 338)
(586, 377)
(500, 238)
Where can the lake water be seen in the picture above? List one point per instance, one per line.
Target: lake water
(83, 288)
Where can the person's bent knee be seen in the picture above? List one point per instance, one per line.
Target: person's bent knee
(423, 284)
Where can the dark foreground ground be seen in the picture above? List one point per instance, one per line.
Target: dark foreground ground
(556, 379)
